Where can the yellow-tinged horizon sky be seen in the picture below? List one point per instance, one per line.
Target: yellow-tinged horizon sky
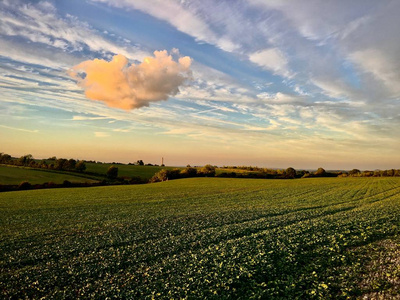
(263, 83)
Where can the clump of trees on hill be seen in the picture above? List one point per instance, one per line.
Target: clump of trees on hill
(165, 174)
(366, 173)
(51, 163)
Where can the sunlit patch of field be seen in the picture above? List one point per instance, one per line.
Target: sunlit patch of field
(204, 238)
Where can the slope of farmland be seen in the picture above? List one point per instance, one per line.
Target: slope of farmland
(204, 238)
(15, 175)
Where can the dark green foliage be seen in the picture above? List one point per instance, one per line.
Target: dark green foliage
(112, 172)
(320, 172)
(160, 176)
(61, 164)
(25, 185)
(5, 158)
(70, 165)
(24, 160)
(165, 175)
(67, 183)
(290, 173)
(80, 166)
(208, 171)
(189, 172)
(354, 172)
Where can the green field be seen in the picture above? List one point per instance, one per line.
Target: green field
(15, 175)
(202, 238)
(144, 172)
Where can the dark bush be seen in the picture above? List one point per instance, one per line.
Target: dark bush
(67, 183)
(208, 171)
(112, 172)
(320, 172)
(189, 172)
(165, 175)
(25, 185)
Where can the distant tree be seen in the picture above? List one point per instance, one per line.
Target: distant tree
(280, 172)
(174, 174)
(390, 172)
(25, 185)
(365, 173)
(290, 173)
(61, 164)
(67, 183)
(165, 175)
(269, 171)
(208, 170)
(80, 166)
(43, 164)
(32, 164)
(300, 173)
(112, 172)
(160, 176)
(354, 172)
(5, 158)
(25, 160)
(70, 164)
(320, 172)
(140, 162)
(189, 172)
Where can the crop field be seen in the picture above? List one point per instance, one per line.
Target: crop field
(214, 238)
(15, 175)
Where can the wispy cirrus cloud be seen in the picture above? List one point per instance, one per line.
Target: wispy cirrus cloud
(272, 59)
(185, 17)
(41, 24)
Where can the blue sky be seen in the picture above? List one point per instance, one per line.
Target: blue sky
(257, 82)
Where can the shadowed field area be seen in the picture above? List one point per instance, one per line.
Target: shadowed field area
(204, 238)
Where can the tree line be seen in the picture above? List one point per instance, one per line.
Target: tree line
(72, 165)
(165, 174)
(51, 163)
(265, 173)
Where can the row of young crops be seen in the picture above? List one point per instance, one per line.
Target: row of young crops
(203, 238)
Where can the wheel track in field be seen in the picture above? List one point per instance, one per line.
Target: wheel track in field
(391, 192)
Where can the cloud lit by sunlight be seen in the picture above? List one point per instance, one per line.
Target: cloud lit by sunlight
(121, 85)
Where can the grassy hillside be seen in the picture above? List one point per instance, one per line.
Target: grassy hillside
(10, 175)
(204, 238)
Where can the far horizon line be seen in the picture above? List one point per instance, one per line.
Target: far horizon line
(221, 166)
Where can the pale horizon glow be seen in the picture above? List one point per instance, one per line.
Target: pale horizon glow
(277, 84)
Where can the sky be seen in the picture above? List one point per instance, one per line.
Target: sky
(268, 83)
